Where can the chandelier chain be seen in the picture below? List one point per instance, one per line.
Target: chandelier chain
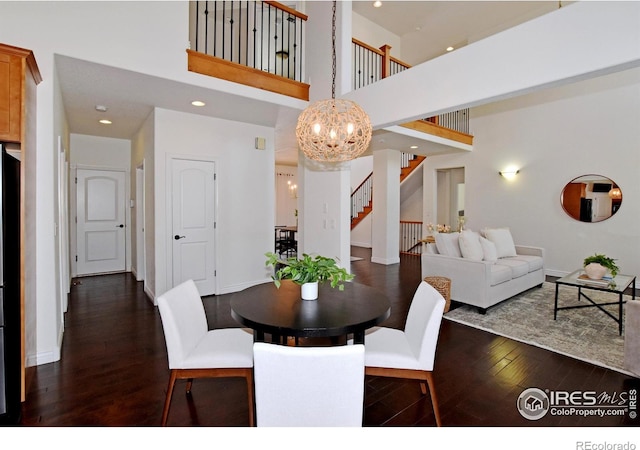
(333, 54)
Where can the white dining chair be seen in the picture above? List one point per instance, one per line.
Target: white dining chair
(409, 353)
(309, 386)
(194, 351)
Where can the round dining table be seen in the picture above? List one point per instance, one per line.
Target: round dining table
(282, 313)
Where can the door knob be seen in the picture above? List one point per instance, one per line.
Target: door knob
(120, 226)
(176, 237)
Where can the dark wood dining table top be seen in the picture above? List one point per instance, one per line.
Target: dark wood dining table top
(282, 312)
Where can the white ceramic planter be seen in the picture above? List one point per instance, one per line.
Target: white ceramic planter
(309, 291)
(595, 271)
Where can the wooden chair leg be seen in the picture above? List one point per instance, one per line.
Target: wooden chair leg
(250, 395)
(189, 383)
(434, 400)
(167, 401)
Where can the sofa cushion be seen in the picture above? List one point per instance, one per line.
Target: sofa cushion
(447, 244)
(470, 245)
(499, 274)
(489, 251)
(518, 267)
(503, 240)
(535, 262)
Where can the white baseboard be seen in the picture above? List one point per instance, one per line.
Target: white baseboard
(386, 262)
(361, 244)
(241, 286)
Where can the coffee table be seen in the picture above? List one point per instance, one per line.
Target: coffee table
(616, 285)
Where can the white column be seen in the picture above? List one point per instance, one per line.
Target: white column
(386, 207)
(324, 190)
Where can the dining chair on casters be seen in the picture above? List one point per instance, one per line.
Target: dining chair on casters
(309, 386)
(409, 353)
(194, 351)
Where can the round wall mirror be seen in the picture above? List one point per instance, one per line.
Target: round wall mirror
(591, 198)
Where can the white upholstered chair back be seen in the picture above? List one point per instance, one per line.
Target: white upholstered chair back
(309, 386)
(423, 324)
(184, 321)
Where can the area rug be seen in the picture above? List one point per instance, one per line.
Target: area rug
(586, 334)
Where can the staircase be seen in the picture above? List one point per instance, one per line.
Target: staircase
(362, 197)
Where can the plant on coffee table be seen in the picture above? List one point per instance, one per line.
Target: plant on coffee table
(604, 261)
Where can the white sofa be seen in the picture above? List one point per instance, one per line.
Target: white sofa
(485, 274)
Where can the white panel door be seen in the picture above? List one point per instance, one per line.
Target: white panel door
(193, 194)
(101, 216)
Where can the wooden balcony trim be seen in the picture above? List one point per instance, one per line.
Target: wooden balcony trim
(286, 9)
(436, 130)
(248, 76)
(367, 46)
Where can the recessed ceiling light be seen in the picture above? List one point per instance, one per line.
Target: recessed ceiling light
(197, 103)
(105, 122)
(450, 49)
(413, 147)
(101, 108)
(377, 4)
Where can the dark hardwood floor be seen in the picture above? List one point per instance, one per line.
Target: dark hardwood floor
(113, 370)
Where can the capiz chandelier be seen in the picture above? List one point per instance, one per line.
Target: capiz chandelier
(333, 130)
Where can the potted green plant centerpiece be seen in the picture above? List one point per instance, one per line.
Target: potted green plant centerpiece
(308, 271)
(596, 266)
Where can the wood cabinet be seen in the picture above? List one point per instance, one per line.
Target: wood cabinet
(19, 77)
(18, 73)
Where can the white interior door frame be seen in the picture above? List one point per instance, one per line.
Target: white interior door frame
(141, 267)
(63, 227)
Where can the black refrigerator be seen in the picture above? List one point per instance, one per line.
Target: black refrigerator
(10, 322)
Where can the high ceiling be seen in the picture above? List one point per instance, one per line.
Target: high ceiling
(131, 96)
(427, 28)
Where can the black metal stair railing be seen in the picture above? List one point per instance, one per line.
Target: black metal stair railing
(362, 196)
(263, 35)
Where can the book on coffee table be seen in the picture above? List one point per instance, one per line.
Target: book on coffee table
(601, 282)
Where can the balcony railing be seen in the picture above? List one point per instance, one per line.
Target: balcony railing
(262, 35)
(371, 64)
(410, 237)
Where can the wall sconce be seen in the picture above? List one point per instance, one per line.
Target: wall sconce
(293, 190)
(509, 173)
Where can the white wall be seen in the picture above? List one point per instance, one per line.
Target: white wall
(143, 146)
(555, 136)
(374, 35)
(100, 152)
(245, 196)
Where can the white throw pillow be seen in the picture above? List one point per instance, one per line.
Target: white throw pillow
(503, 240)
(470, 245)
(447, 244)
(489, 252)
